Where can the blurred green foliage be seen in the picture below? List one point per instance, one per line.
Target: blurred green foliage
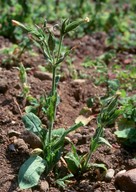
(116, 18)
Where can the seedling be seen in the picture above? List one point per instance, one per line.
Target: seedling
(109, 113)
(52, 140)
(23, 81)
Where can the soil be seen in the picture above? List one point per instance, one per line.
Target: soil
(74, 95)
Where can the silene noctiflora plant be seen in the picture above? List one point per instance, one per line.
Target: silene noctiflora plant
(43, 160)
(108, 114)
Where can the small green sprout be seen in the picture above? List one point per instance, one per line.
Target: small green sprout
(23, 80)
(109, 113)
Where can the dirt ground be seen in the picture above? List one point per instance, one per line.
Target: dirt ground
(74, 95)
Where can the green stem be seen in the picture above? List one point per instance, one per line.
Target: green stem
(94, 144)
(53, 80)
(87, 160)
(59, 49)
(54, 85)
(52, 94)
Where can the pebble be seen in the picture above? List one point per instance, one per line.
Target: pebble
(44, 186)
(12, 133)
(21, 145)
(3, 86)
(43, 75)
(78, 81)
(109, 174)
(132, 163)
(32, 139)
(12, 147)
(126, 180)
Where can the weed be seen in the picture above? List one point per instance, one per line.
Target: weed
(52, 140)
(126, 131)
(23, 81)
(108, 114)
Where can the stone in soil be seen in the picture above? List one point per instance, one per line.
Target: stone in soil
(32, 139)
(12, 133)
(44, 186)
(43, 75)
(126, 181)
(3, 85)
(109, 174)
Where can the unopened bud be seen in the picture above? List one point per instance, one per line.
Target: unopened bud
(86, 19)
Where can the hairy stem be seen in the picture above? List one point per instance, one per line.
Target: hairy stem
(52, 94)
(60, 44)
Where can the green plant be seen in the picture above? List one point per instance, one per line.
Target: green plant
(13, 53)
(127, 123)
(23, 81)
(52, 139)
(109, 113)
(19, 10)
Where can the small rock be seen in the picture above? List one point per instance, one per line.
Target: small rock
(78, 81)
(132, 163)
(126, 180)
(109, 174)
(78, 136)
(32, 139)
(21, 145)
(44, 186)
(43, 75)
(12, 147)
(3, 86)
(120, 172)
(12, 133)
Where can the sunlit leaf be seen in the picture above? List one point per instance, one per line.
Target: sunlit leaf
(84, 120)
(32, 123)
(30, 172)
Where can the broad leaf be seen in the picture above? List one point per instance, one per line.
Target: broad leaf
(30, 172)
(126, 133)
(32, 123)
(73, 162)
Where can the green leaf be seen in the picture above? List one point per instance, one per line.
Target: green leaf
(125, 124)
(61, 181)
(31, 108)
(126, 133)
(51, 42)
(51, 108)
(90, 102)
(32, 123)
(104, 141)
(72, 128)
(71, 26)
(30, 171)
(64, 24)
(99, 165)
(64, 134)
(73, 162)
(114, 84)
